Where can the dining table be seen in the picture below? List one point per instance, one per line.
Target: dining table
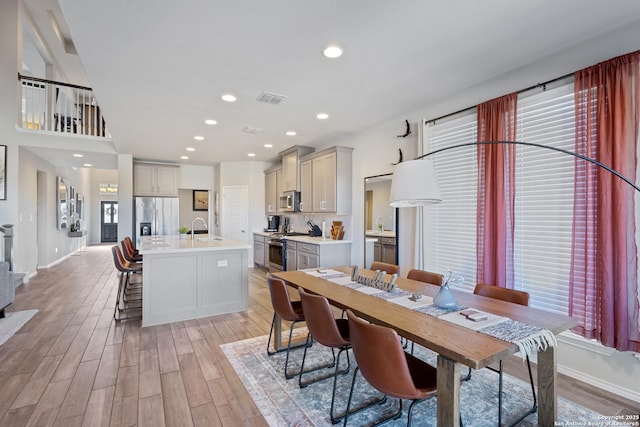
(456, 345)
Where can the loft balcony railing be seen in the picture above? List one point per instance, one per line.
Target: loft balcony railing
(53, 106)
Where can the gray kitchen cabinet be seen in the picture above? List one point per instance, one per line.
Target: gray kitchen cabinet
(291, 167)
(152, 180)
(306, 187)
(259, 251)
(291, 256)
(271, 194)
(330, 180)
(302, 254)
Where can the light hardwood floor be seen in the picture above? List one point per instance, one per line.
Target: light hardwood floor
(72, 365)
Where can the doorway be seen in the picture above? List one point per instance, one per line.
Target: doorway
(108, 222)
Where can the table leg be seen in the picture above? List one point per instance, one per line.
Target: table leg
(448, 406)
(278, 345)
(547, 395)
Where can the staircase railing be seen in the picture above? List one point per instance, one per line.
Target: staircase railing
(60, 107)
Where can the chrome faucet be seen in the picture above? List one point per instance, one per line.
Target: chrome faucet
(194, 221)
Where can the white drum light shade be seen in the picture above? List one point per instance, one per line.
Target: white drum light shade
(414, 184)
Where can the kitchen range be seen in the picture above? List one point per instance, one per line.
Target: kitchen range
(278, 250)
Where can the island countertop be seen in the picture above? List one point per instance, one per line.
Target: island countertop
(176, 243)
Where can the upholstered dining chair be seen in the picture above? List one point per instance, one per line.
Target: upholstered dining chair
(328, 331)
(425, 276)
(387, 367)
(516, 297)
(383, 266)
(286, 309)
(125, 269)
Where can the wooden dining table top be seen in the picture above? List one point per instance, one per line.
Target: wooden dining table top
(458, 343)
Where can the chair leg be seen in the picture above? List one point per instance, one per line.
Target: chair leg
(334, 418)
(383, 399)
(271, 353)
(331, 364)
(533, 408)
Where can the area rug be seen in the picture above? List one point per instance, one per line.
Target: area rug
(12, 323)
(283, 403)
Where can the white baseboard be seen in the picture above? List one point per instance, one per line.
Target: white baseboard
(574, 340)
(599, 383)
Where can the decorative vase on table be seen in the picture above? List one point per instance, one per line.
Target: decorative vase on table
(445, 298)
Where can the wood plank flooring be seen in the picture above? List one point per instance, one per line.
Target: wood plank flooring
(72, 365)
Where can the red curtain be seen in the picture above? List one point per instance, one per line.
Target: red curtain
(604, 262)
(496, 191)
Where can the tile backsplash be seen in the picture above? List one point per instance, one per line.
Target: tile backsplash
(298, 223)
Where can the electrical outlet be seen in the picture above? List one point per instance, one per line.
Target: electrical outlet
(222, 263)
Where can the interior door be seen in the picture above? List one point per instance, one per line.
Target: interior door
(108, 222)
(235, 213)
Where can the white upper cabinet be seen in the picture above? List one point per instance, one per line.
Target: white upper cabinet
(151, 179)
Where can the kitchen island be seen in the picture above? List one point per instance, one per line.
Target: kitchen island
(191, 278)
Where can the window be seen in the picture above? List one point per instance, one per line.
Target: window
(544, 198)
(450, 227)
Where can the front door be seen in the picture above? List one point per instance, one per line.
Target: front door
(109, 222)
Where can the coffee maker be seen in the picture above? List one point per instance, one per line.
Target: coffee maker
(273, 223)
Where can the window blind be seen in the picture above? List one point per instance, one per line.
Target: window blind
(544, 198)
(450, 226)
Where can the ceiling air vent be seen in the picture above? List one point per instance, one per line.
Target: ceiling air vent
(251, 129)
(270, 98)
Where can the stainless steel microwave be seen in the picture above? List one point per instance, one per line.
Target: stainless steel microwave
(290, 201)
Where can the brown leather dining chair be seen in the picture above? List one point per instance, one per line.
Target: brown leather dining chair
(516, 297)
(383, 266)
(387, 367)
(425, 276)
(286, 309)
(328, 331)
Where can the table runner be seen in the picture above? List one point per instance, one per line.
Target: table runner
(528, 338)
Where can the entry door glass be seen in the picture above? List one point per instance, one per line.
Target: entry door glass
(109, 221)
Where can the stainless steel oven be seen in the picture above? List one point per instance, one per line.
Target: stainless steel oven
(276, 254)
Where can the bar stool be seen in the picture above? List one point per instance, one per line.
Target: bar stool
(130, 251)
(288, 310)
(125, 269)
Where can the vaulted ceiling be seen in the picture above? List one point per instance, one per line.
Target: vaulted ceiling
(159, 68)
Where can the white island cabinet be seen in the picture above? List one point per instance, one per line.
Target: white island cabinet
(187, 279)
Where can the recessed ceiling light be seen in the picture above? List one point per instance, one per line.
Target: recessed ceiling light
(268, 145)
(78, 155)
(291, 133)
(211, 122)
(87, 165)
(191, 149)
(198, 138)
(184, 157)
(251, 154)
(228, 97)
(332, 52)
(323, 116)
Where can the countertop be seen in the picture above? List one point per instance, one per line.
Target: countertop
(316, 240)
(176, 243)
(304, 238)
(376, 233)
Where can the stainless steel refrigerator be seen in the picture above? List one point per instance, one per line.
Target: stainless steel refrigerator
(156, 216)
